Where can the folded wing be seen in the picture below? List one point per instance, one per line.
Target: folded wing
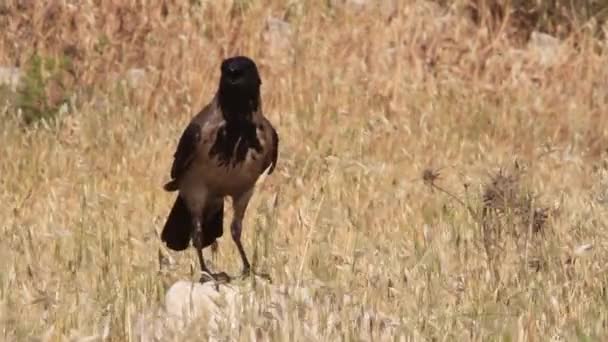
(184, 154)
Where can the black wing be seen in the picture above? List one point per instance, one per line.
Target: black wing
(275, 149)
(184, 154)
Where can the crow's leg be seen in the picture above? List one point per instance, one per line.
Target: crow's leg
(240, 205)
(197, 241)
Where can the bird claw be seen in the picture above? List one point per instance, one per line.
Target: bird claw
(217, 278)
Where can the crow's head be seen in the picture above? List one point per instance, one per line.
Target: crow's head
(240, 72)
(239, 92)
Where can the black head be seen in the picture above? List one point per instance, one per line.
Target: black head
(240, 72)
(239, 92)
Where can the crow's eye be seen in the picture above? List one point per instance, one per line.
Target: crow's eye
(235, 73)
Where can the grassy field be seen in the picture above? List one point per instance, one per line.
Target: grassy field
(432, 168)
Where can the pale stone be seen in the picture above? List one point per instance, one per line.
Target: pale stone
(219, 311)
(10, 77)
(135, 77)
(546, 47)
(278, 39)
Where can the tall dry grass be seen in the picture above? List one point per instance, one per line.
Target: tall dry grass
(365, 100)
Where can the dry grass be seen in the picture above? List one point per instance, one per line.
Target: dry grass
(364, 102)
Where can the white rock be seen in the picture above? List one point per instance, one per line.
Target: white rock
(545, 46)
(135, 77)
(539, 39)
(387, 7)
(278, 38)
(186, 302)
(10, 76)
(219, 311)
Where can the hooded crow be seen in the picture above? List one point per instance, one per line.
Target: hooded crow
(221, 153)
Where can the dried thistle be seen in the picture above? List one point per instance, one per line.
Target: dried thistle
(502, 192)
(429, 177)
(505, 193)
